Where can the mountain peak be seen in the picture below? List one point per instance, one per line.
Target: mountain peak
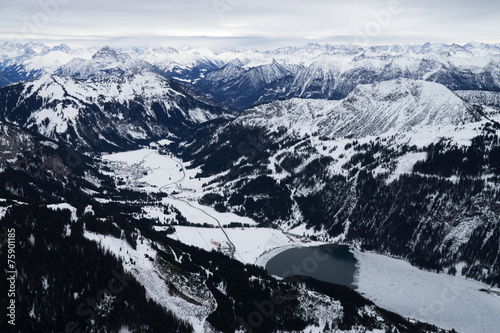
(398, 106)
(402, 105)
(393, 90)
(108, 53)
(62, 47)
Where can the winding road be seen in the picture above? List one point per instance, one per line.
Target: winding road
(232, 247)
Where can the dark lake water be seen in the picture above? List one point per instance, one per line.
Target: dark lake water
(330, 263)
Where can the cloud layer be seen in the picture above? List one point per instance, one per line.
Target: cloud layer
(249, 22)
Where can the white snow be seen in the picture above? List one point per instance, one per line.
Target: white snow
(440, 299)
(405, 164)
(198, 214)
(145, 168)
(153, 277)
(65, 206)
(3, 211)
(49, 144)
(88, 210)
(253, 245)
(395, 106)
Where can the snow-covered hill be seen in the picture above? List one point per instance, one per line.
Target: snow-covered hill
(490, 98)
(106, 113)
(395, 106)
(403, 167)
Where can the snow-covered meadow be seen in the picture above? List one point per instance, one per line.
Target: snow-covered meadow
(148, 171)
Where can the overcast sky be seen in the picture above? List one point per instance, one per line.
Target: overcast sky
(248, 23)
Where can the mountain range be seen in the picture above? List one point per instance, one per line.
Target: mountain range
(403, 167)
(244, 78)
(390, 149)
(112, 113)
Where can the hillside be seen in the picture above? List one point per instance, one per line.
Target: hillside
(106, 113)
(420, 183)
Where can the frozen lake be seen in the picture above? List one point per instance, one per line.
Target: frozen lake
(449, 302)
(440, 299)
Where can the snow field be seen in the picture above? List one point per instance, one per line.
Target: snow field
(155, 279)
(440, 299)
(198, 214)
(253, 245)
(145, 167)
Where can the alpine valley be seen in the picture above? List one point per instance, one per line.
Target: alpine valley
(145, 189)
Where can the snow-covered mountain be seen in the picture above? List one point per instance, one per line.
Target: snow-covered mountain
(106, 62)
(20, 62)
(331, 72)
(395, 106)
(244, 78)
(106, 113)
(403, 167)
(490, 98)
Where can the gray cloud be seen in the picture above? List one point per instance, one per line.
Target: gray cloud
(249, 22)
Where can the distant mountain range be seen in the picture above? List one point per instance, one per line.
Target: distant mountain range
(244, 78)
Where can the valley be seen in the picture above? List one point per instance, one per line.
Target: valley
(391, 283)
(213, 181)
(146, 170)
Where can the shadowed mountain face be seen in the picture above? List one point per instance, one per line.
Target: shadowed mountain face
(108, 113)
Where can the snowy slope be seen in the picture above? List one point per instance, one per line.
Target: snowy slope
(396, 106)
(106, 112)
(490, 98)
(152, 276)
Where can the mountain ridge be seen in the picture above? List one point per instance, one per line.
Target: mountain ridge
(106, 113)
(397, 105)
(244, 78)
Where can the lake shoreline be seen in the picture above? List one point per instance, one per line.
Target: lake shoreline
(331, 263)
(264, 258)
